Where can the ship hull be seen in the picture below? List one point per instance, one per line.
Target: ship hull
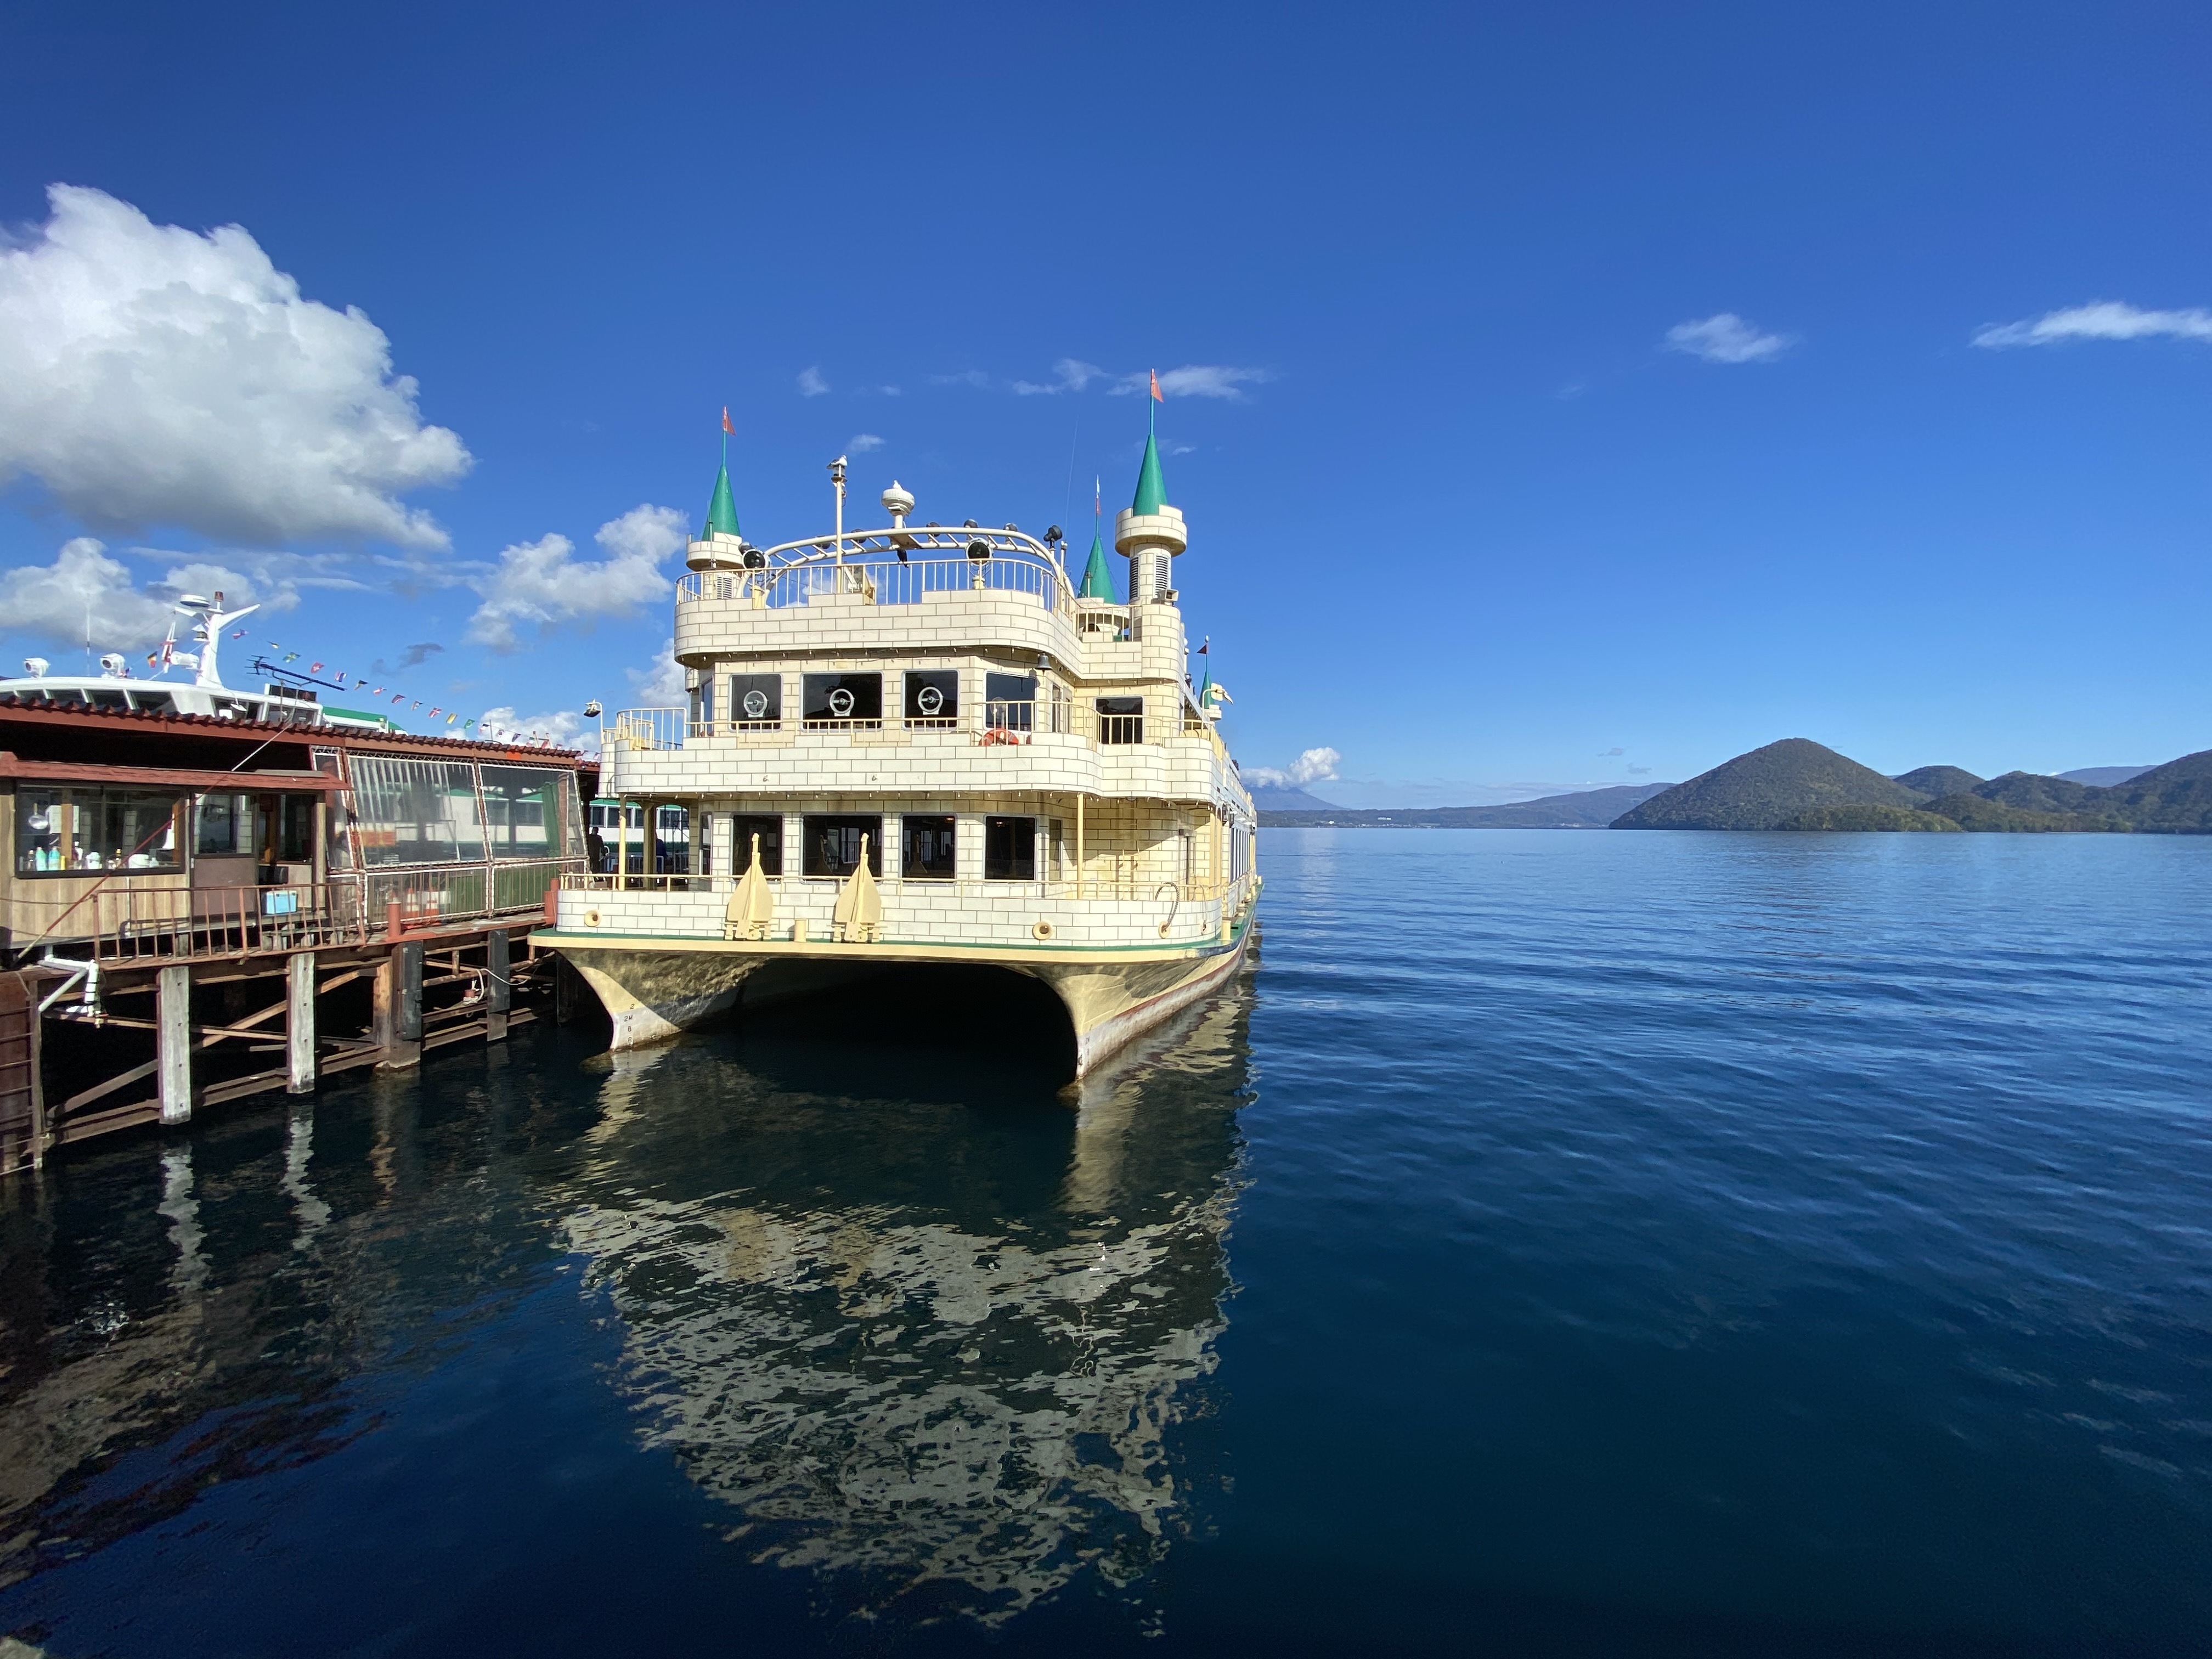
(656, 990)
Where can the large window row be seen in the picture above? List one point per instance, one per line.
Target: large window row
(86, 829)
(928, 698)
(829, 843)
(426, 811)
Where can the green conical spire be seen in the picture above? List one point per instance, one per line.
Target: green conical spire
(1097, 580)
(1151, 493)
(722, 511)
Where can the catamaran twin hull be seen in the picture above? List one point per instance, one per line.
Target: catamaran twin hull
(920, 746)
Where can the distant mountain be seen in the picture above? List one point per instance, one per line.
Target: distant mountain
(2037, 792)
(2104, 777)
(1585, 808)
(2175, 798)
(1767, 788)
(1270, 799)
(1797, 784)
(1933, 780)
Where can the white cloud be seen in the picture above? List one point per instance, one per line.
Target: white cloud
(54, 602)
(1069, 375)
(1194, 380)
(861, 442)
(542, 583)
(660, 686)
(563, 728)
(1313, 766)
(965, 377)
(149, 374)
(811, 383)
(2101, 320)
(237, 588)
(1725, 337)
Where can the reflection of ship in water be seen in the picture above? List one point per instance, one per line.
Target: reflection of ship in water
(935, 1349)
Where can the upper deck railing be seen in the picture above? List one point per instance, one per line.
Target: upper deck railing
(891, 566)
(990, 723)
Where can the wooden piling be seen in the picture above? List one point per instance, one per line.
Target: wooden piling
(499, 986)
(403, 969)
(299, 1024)
(172, 1020)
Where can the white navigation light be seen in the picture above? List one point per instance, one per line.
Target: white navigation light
(36, 668)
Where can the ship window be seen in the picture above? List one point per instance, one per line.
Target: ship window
(926, 849)
(756, 700)
(833, 844)
(743, 829)
(104, 699)
(1010, 701)
(225, 826)
(1009, 849)
(932, 697)
(69, 831)
(844, 699)
(159, 702)
(1120, 719)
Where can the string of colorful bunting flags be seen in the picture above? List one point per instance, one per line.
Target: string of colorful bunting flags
(348, 683)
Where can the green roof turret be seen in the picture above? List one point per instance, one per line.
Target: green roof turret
(1151, 493)
(1097, 580)
(722, 511)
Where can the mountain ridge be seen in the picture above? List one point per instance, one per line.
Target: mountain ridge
(1578, 809)
(1799, 784)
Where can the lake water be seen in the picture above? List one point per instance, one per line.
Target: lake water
(1560, 1243)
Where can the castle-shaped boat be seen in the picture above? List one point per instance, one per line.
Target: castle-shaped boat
(921, 744)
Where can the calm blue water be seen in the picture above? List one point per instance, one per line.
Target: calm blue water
(1562, 1243)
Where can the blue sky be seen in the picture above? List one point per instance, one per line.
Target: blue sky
(1482, 496)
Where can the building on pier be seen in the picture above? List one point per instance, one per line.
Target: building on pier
(180, 892)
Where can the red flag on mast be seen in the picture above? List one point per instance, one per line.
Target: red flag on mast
(727, 427)
(1156, 386)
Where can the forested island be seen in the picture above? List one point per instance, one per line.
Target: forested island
(1798, 784)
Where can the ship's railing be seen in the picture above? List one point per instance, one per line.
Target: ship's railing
(649, 728)
(1112, 877)
(888, 583)
(994, 721)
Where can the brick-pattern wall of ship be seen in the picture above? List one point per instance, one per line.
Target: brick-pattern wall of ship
(1180, 769)
(828, 624)
(926, 913)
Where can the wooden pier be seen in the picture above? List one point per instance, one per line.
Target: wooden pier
(176, 933)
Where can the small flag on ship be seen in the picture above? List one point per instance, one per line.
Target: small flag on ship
(1155, 387)
(727, 427)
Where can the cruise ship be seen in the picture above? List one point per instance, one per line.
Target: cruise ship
(285, 698)
(924, 744)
